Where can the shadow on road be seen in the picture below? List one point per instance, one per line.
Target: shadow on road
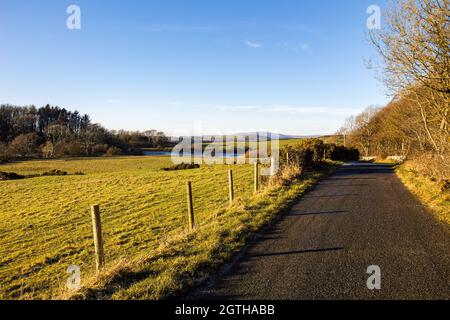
(332, 195)
(295, 252)
(317, 213)
(365, 168)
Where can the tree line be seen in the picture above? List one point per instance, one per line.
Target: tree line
(415, 66)
(53, 132)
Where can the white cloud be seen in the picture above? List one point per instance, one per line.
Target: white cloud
(237, 108)
(253, 45)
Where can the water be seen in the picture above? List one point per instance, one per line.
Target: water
(168, 153)
(156, 153)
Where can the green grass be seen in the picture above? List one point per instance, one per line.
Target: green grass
(244, 145)
(88, 165)
(45, 223)
(289, 142)
(427, 191)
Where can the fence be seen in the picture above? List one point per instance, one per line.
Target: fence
(129, 213)
(100, 254)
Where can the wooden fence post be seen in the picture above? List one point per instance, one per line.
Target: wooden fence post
(98, 237)
(231, 190)
(256, 182)
(190, 206)
(273, 166)
(287, 159)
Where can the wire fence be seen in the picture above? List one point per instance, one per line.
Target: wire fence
(137, 213)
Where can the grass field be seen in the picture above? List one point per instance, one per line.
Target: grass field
(45, 222)
(245, 145)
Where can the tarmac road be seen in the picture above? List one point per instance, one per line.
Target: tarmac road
(359, 217)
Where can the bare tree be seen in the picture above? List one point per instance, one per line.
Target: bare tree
(414, 46)
(25, 145)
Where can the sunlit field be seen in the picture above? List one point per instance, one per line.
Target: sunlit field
(245, 145)
(46, 226)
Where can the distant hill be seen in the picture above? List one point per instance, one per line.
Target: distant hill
(263, 136)
(267, 135)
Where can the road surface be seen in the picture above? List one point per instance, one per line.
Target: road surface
(359, 217)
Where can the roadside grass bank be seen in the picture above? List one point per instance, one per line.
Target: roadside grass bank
(190, 258)
(434, 194)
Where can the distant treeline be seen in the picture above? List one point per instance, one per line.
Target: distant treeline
(53, 132)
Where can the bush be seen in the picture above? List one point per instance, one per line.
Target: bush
(182, 166)
(341, 153)
(298, 156)
(431, 166)
(71, 149)
(100, 149)
(311, 153)
(55, 173)
(286, 175)
(113, 151)
(314, 150)
(10, 176)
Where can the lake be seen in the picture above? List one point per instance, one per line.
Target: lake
(168, 153)
(156, 153)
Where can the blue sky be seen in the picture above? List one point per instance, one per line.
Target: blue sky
(295, 67)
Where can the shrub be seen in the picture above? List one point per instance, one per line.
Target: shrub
(10, 176)
(307, 153)
(113, 151)
(341, 153)
(311, 153)
(71, 149)
(182, 166)
(431, 166)
(55, 173)
(100, 149)
(286, 175)
(314, 150)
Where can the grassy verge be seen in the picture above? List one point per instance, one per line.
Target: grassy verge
(427, 191)
(189, 258)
